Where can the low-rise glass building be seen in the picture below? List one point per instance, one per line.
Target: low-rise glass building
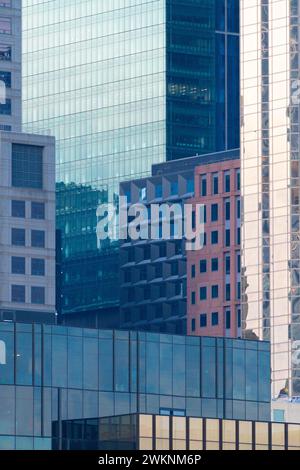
(53, 374)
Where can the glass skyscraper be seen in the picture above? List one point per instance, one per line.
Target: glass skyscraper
(270, 184)
(123, 85)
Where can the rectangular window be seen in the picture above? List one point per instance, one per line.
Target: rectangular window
(227, 264)
(215, 318)
(174, 188)
(38, 238)
(193, 271)
(203, 293)
(239, 318)
(38, 295)
(215, 265)
(239, 291)
(17, 265)
(227, 209)
(215, 237)
(203, 266)
(5, 77)
(214, 212)
(158, 191)
(227, 182)
(18, 294)
(193, 324)
(190, 186)
(215, 183)
(238, 263)
(18, 209)
(38, 210)
(18, 236)
(193, 298)
(37, 267)
(228, 319)
(238, 208)
(227, 292)
(203, 320)
(5, 108)
(5, 52)
(214, 292)
(5, 25)
(203, 186)
(238, 236)
(238, 180)
(227, 237)
(27, 166)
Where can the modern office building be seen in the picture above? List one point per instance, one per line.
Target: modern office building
(154, 270)
(10, 65)
(270, 184)
(52, 374)
(165, 433)
(213, 273)
(122, 87)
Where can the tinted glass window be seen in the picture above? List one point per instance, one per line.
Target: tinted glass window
(37, 267)
(37, 210)
(38, 295)
(5, 108)
(5, 52)
(27, 166)
(5, 77)
(18, 209)
(17, 265)
(18, 294)
(38, 238)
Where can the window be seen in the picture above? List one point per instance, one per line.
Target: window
(238, 290)
(203, 320)
(216, 183)
(27, 166)
(227, 237)
(215, 318)
(238, 208)
(193, 298)
(5, 108)
(238, 236)
(38, 210)
(227, 182)
(5, 25)
(238, 180)
(238, 262)
(215, 265)
(228, 319)
(214, 292)
(38, 295)
(227, 264)
(18, 236)
(17, 265)
(158, 191)
(227, 209)
(38, 267)
(214, 212)
(174, 269)
(193, 324)
(190, 186)
(127, 275)
(162, 251)
(215, 237)
(227, 292)
(38, 238)
(193, 271)
(239, 318)
(203, 266)
(18, 294)
(5, 77)
(203, 293)
(203, 186)
(5, 52)
(174, 188)
(18, 209)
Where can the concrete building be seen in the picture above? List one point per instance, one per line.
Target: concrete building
(213, 273)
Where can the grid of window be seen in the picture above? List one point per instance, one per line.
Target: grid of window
(27, 166)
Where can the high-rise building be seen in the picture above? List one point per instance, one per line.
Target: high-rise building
(123, 87)
(270, 184)
(27, 193)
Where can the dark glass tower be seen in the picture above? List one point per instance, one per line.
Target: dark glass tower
(121, 88)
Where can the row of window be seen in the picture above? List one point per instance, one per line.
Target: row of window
(18, 294)
(214, 211)
(214, 237)
(214, 320)
(18, 210)
(18, 237)
(157, 272)
(203, 293)
(18, 266)
(215, 183)
(214, 265)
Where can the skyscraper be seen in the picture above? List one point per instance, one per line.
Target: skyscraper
(270, 183)
(123, 85)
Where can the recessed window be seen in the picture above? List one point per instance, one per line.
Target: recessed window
(228, 292)
(238, 180)
(5, 77)
(215, 237)
(5, 108)
(174, 188)
(17, 265)
(238, 208)
(227, 237)
(215, 318)
(203, 186)
(238, 262)
(214, 212)
(27, 166)
(37, 267)
(214, 292)
(158, 191)
(228, 319)
(203, 293)
(238, 236)
(215, 265)
(238, 287)
(193, 298)
(227, 182)
(38, 210)
(38, 295)
(227, 209)
(227, 264)
(5, 52)
(5, 25)
(18, 294)
(193, 324)
(203, 320)
(215, 179)
(203, 266)
(193, 271)
(38, 238)
(18, 209)
(18, 236)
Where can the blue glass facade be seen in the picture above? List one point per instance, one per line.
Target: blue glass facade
(51, 373)
(121, 87)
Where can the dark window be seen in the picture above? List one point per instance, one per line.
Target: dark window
(203, 293)
(143, 274)
(214, 318)
(17, 265)
(190, 186)
(193, 324)
(227, 264)
(5, 77)
(227, 237)
(127, 276)
(214, 292)
(193, 271)
(158, 271)
(27, 166)
(203, 266)
(215, 237)
(228, 319)
(5, 52)
(214, 212)
(18, 236)
(238, 262)
(238, 236)
(238, 208)
(158, 191)
(239, 318)
(227, 210)
(215, 184)
(239, 290)
(38, 238)
(215, 264)
(37, 267)
(227, 182)
(203, 186)
(174, 269)
(162, 251)
(228, 292)
(203, 320)
(5, 108)
(18, 294)
(174, 188)
(193, 298)
(238, 180)
(38, 295)
(18, 209)
(38, 210)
